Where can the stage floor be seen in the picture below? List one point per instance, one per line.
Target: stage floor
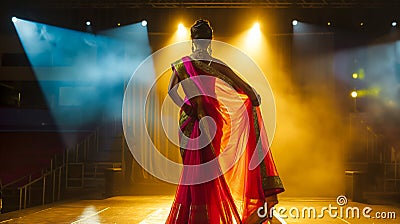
(155, 209)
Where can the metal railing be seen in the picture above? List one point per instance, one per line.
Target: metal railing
(14, 182)
(392, 173)
(374, 149)
(79, 168)
(50, 182)
(77, 155)
(25, 191)
(25, 184)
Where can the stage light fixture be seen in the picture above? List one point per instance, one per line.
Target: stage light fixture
(144, 23)
(14, 19)
(362, 24)
(355, 76)
(256, 26)
(181, 33)
(329, 23)
(295, 22)
(118, 24)
(394, 23)
(255, 31)
(253, 39)
(88, 23)
(181, 30)
(354, 94)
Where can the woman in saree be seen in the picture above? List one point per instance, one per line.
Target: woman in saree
(236, 139)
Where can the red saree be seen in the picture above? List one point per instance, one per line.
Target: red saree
(244, 174)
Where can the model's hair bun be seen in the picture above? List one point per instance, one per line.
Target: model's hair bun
(201, 29)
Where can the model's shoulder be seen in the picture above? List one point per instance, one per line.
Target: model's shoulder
(180, 61)
(176, 62)
(216, 60)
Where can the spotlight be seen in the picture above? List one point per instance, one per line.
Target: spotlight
(255, 30)
(144, 23)
(118, 24)
(329, 23)
(181, 30)
(254, 36)
(354, 94)
(256, 26)
(181, 33)
(88, 23)
(14, 19)
(394, 23)
(295, 22)
(362, 24)
(355, 76)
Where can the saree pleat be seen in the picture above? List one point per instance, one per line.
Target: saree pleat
(245, 175)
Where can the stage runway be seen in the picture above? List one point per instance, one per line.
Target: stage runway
(155, 209)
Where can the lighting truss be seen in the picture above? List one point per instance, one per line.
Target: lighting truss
(219, 3)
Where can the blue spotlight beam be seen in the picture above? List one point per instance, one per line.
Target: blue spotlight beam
(82, 75)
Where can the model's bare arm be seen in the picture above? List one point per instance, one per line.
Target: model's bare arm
(173, 90)
(173, 93)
